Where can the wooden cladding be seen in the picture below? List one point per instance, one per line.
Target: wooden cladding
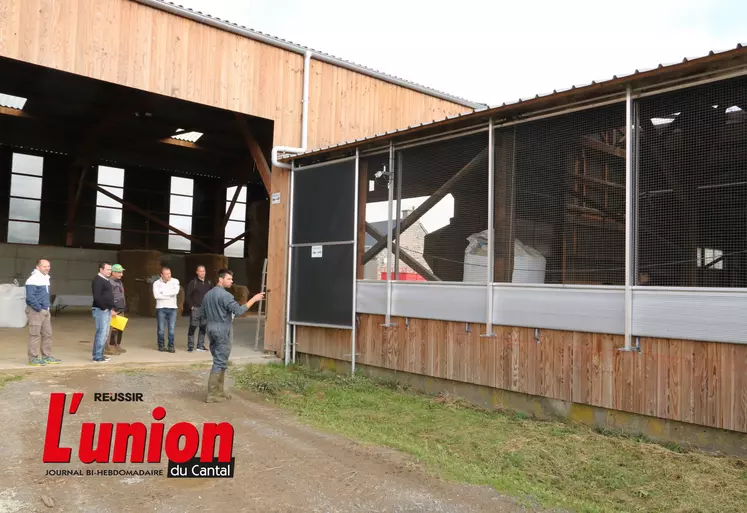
(130, 44)
(696, 382)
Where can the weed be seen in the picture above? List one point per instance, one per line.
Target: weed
(7, 378)
(555, 464)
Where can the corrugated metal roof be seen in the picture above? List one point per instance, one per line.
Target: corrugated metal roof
(199, 16)
(529, 104)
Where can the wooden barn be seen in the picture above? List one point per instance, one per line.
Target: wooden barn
(141, 125)
(585, 254)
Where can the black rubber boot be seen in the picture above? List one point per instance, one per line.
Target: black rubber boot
(214, 395)
(221, 385)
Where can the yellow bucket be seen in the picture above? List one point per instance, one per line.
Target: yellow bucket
(119, 322)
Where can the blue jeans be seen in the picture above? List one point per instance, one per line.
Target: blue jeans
(103, 319)
(164, 316)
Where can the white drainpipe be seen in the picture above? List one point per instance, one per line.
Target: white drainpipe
(304, 118)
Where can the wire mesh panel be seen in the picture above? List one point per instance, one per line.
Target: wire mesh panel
(560, 199)
(692, 187)
(443, 211)
(377, 201)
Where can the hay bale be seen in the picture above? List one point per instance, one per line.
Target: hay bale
(212, 262)
(240, 294)
(140, 266)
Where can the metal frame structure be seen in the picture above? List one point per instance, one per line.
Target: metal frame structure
(290, 326)
(628, 219)
(494, 290)
(491, 228)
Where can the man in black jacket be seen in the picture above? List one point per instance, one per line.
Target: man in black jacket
(196, 290)
(102, 309)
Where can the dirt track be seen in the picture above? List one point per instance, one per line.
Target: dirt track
(281, 465)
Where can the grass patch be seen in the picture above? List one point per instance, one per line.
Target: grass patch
(7, 378)
(556, 464)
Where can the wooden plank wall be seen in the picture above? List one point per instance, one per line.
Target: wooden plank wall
(702, 383)
(127, 43)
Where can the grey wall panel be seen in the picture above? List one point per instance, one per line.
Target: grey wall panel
(576, 308)
(371, 297)
(708, 315)
(443, 301)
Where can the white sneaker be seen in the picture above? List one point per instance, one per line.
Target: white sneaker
(106, 359)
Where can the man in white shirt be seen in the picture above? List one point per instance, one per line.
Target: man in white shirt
(165, 290)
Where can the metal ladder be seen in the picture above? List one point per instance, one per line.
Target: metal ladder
(259, 309)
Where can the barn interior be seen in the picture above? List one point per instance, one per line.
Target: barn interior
(94, 171)
(692, 179)
(559, 200)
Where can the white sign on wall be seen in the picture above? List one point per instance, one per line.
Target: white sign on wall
(275, 198)
(316, 252)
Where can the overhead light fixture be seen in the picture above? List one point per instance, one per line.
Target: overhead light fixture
(13, 102)
(187, 136)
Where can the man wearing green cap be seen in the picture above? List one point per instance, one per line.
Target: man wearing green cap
(120, 305)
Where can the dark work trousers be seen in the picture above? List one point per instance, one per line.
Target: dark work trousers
(194, 323)
(115, 337)
(220, 344)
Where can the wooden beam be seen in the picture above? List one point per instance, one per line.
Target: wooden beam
(233, 203)
(593, 144)
(73, 207)
(147, 215)
(479, 162)
(7, 111)
(406, 258)
(179, 142)
(235, 239)
(256, 151)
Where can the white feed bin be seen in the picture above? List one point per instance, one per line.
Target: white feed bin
(12, 306)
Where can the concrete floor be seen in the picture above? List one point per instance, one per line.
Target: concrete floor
(72, 342)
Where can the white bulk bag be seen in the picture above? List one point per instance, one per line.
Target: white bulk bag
(12, 306)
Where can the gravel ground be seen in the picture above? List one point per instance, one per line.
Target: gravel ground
(281, 465)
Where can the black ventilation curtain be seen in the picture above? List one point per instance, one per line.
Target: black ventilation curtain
(322, 244)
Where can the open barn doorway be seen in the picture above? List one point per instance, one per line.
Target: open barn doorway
(92, 171)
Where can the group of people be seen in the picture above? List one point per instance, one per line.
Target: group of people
(211, 308)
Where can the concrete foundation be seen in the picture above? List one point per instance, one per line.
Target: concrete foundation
(543, 408)
(72, 341)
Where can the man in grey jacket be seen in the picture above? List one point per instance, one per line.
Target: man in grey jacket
(120, 305)
(218, 306)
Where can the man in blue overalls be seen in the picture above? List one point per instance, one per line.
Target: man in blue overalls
(218, 306)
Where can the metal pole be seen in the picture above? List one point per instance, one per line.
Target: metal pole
(628, 218)
(259, 309)
(389, 237)
(491, 228)
(290, 262)
(293, 358)
(356, 194)
(398, 211)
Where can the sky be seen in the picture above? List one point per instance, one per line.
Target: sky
(495, 51)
